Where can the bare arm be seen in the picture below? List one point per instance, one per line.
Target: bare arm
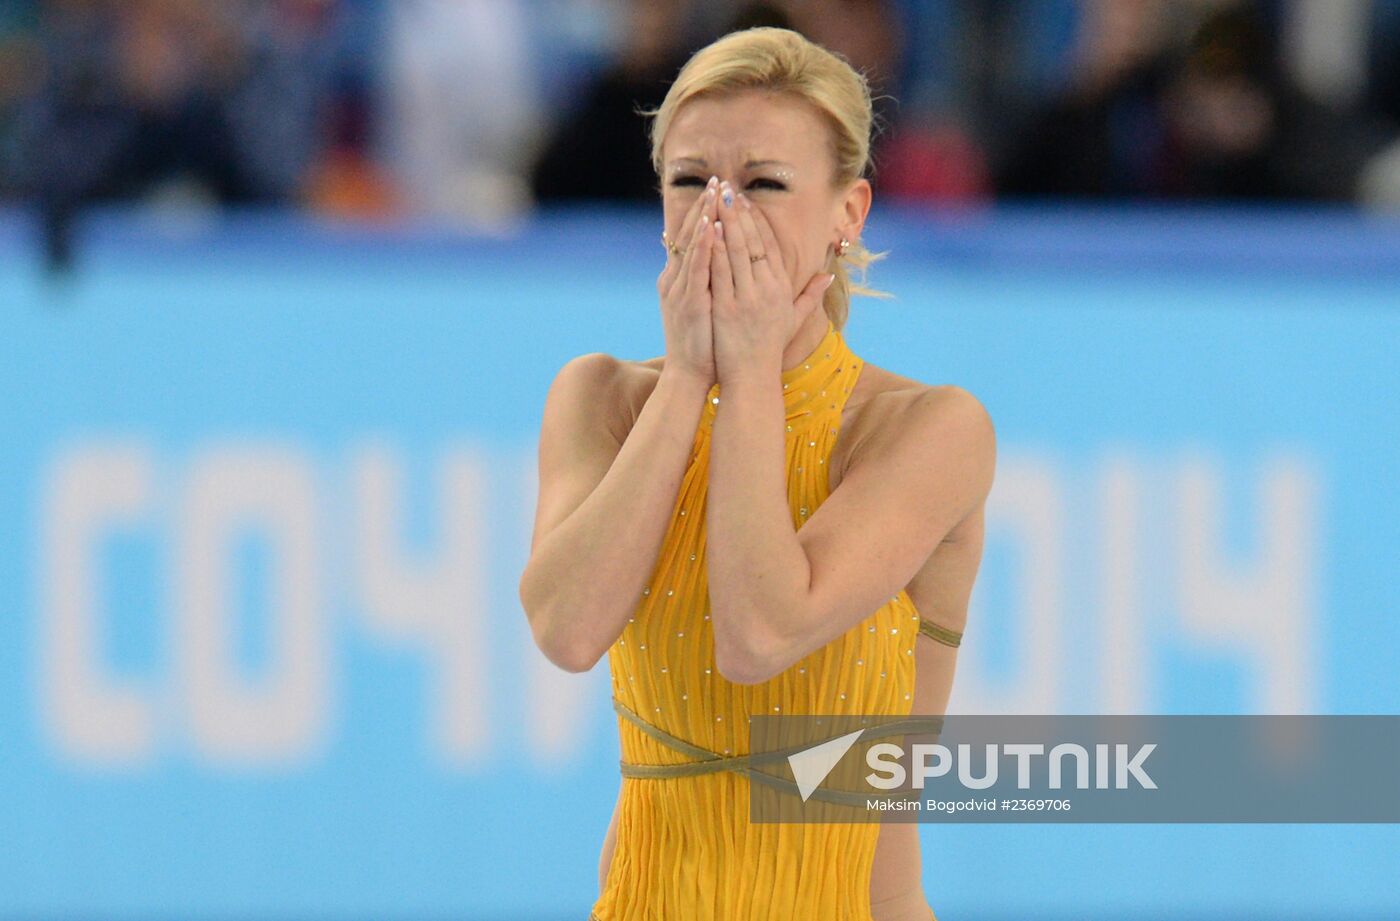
(606, 497)
(778, 594)
(605, 502)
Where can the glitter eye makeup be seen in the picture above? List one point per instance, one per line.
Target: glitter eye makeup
(775, 176)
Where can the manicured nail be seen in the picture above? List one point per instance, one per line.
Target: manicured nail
(719, 230)
(704, 219)
(714, 181)
(726, 193)
(710, 192)
(827, 283)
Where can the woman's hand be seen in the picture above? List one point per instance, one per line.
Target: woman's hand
(755, 311)
(684, 287)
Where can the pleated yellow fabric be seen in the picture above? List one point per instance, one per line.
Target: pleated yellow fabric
(686, 850)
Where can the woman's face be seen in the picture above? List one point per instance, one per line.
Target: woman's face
(777, 151)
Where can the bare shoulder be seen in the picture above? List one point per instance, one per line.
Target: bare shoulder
(903, 416)
(594, 385)
(893, 406)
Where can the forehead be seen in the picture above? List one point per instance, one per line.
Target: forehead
(742, 126)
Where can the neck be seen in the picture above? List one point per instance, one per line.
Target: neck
(805, 341)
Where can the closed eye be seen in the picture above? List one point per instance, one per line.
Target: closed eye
(772, 184)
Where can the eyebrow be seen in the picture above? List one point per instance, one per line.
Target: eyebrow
(749, 165)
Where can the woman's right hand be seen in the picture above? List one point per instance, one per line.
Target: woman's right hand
(684, 287)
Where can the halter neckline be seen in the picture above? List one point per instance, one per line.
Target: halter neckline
(818, 384)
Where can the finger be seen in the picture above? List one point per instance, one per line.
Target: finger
(736, 244)
(697, 262)
(757, 227)
(811, 297)
(686, 231)
(721, 278)
(704, 200)
(703, 208)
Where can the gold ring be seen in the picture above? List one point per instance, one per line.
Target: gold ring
(670, 246)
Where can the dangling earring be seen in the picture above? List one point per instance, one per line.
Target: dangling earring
(841, 250)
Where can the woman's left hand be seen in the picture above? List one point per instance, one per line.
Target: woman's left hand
(753, 311)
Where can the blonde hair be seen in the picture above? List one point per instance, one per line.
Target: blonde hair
(784, 61)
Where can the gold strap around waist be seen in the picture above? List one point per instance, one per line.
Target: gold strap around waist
(708, 762)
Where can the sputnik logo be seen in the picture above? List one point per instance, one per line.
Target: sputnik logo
(811, 765)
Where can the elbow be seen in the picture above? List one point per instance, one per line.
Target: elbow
(745, 659)
(567, 652)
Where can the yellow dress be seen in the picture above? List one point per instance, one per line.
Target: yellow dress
(686, 850)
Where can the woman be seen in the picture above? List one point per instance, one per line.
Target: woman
(728, 553)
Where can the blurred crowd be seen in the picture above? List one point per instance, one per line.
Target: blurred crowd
(480, 110)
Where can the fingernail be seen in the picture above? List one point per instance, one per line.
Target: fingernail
(704, 219)
(710, 192)
(829, 280)
(714, 181)
(719, 230)
(744, 200)
(726, 193)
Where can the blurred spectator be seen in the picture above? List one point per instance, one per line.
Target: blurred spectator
(20, 70)
(475, 110)
(461, 113)
(1216, 119)
(1104, 134)
(600, 150)
(173, 97)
